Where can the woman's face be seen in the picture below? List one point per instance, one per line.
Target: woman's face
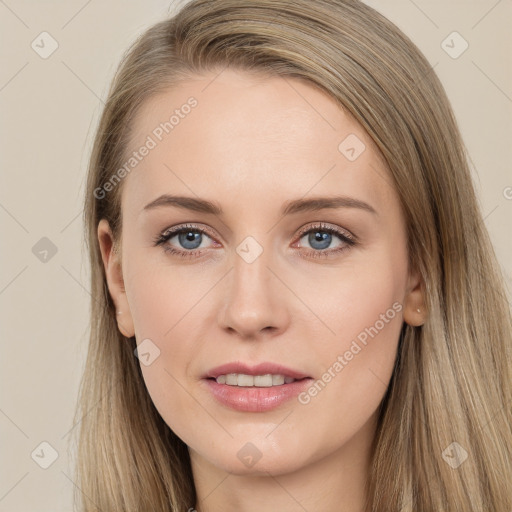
(291, 262)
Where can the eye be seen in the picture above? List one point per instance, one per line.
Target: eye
(189, 240)
(326, 240)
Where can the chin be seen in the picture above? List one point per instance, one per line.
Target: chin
(267, 464)
(256, 455)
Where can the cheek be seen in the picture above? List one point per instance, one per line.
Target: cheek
(167, 306)
(364, 310)
(351, 297)
(161, 296)
(357, 370)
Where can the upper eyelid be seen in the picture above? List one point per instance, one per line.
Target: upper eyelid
(192, 227)
(321, 226)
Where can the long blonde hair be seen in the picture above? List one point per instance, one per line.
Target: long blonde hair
(452, 380)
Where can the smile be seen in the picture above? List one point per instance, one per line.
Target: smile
(260, 381)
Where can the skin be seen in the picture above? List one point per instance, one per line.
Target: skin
(252, 144)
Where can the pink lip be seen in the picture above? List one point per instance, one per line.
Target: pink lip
(255, 399)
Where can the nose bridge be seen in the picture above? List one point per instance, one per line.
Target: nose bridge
(250, 272)
(251, 294)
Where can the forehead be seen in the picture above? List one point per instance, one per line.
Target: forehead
(226, 134)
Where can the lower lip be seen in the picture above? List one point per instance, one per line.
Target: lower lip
(256, 399)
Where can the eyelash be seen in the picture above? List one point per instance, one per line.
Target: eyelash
(348, 239)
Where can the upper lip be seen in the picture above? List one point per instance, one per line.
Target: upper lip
(259, 369)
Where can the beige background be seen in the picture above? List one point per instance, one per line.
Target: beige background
(50, 108)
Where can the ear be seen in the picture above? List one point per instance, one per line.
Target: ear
(415, 313)
(112, 263)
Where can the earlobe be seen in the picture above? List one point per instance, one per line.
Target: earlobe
(414, 304)
(115, 281)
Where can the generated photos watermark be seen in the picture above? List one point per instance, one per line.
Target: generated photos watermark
(151, 142)
(357, 345)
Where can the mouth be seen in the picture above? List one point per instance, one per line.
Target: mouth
(258, 388)
(259, 381)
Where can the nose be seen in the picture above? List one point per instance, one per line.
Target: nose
(254, 300)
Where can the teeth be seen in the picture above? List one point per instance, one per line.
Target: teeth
(264, 381)
(277, 380)
(246, 380)
(259, 381)
(232, 379)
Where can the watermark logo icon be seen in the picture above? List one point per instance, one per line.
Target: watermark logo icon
(147, 352)
(44, 45)
(454, 45)
(454, 455)
(44, 455)
(351, 147)
(249, 250)
(44, 250)
(249, 455)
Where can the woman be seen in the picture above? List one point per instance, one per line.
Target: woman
(296, 305)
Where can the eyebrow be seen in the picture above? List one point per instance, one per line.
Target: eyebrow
(289, 208)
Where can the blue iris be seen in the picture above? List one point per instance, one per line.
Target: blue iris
(320, 236)
(188, 237)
